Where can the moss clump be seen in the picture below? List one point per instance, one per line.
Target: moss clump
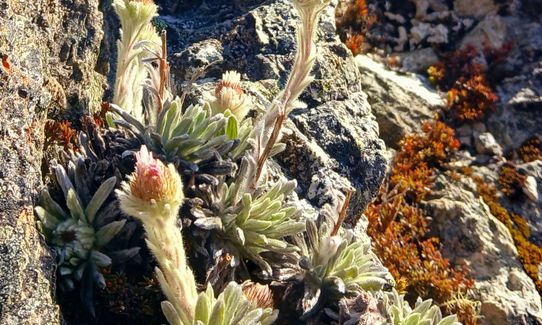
(531, 150)
(354, 20)
(511, 181)
(399, 226)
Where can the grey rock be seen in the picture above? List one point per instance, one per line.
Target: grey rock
(476, 9)
(333, 144)
(347, 133)
(529, 206)
(485, 143)
(518, 116)
(52, 48)
(470, 234)
(418, 60)
(400, 102)
(490, 32)
(530, 188)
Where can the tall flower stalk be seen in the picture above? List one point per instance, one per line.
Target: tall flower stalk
(153, 195)
(137, 35)
(268, 129)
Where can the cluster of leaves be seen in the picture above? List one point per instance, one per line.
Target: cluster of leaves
(424, 312)
(336, 262)
(531, 150)
(511, 181)
(80, 228)
(354, 21)
(399, 226)
(529, 253)
(470, 94)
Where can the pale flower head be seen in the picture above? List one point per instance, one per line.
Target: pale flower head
(311, 4)
(153, 190)
(328, 248)
(230, 96)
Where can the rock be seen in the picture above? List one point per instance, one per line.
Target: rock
(485, 143)
(477, 9)
(435, 34)
(347, 133)
(50, 52)
(465, 130)
(530, 188)
(489, 33)
(400, 102)
(470, 234)
(333, 144)
(529, 207)
(518, 116)
(479, 127)
(418, 60)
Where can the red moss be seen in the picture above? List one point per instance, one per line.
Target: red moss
(511, 181)
(354, 22)
(60, 133)
(470, 95)
(399, 227)
(471, 99)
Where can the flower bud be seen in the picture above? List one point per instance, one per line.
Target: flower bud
(230, 96)
(153, 190)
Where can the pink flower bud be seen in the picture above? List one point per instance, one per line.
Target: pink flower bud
(154, 189)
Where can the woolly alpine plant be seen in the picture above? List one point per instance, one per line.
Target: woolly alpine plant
(225, 232)
(154, 195)
(80, 234)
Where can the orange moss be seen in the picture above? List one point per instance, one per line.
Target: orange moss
(470, 95)
(355, 43)
(436, 73)
(399, 227)
(5, 64)
(531, 150)
(60, 133)
(355, 21)
(419, 154)
(99, 117)
(511, 181)
(471, 99)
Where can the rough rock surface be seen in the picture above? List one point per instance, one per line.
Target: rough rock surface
(519, 114)
(49, 52)
(335, 139)
(469, 232)
(529, 205)
(472, 235)
(400, 102)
